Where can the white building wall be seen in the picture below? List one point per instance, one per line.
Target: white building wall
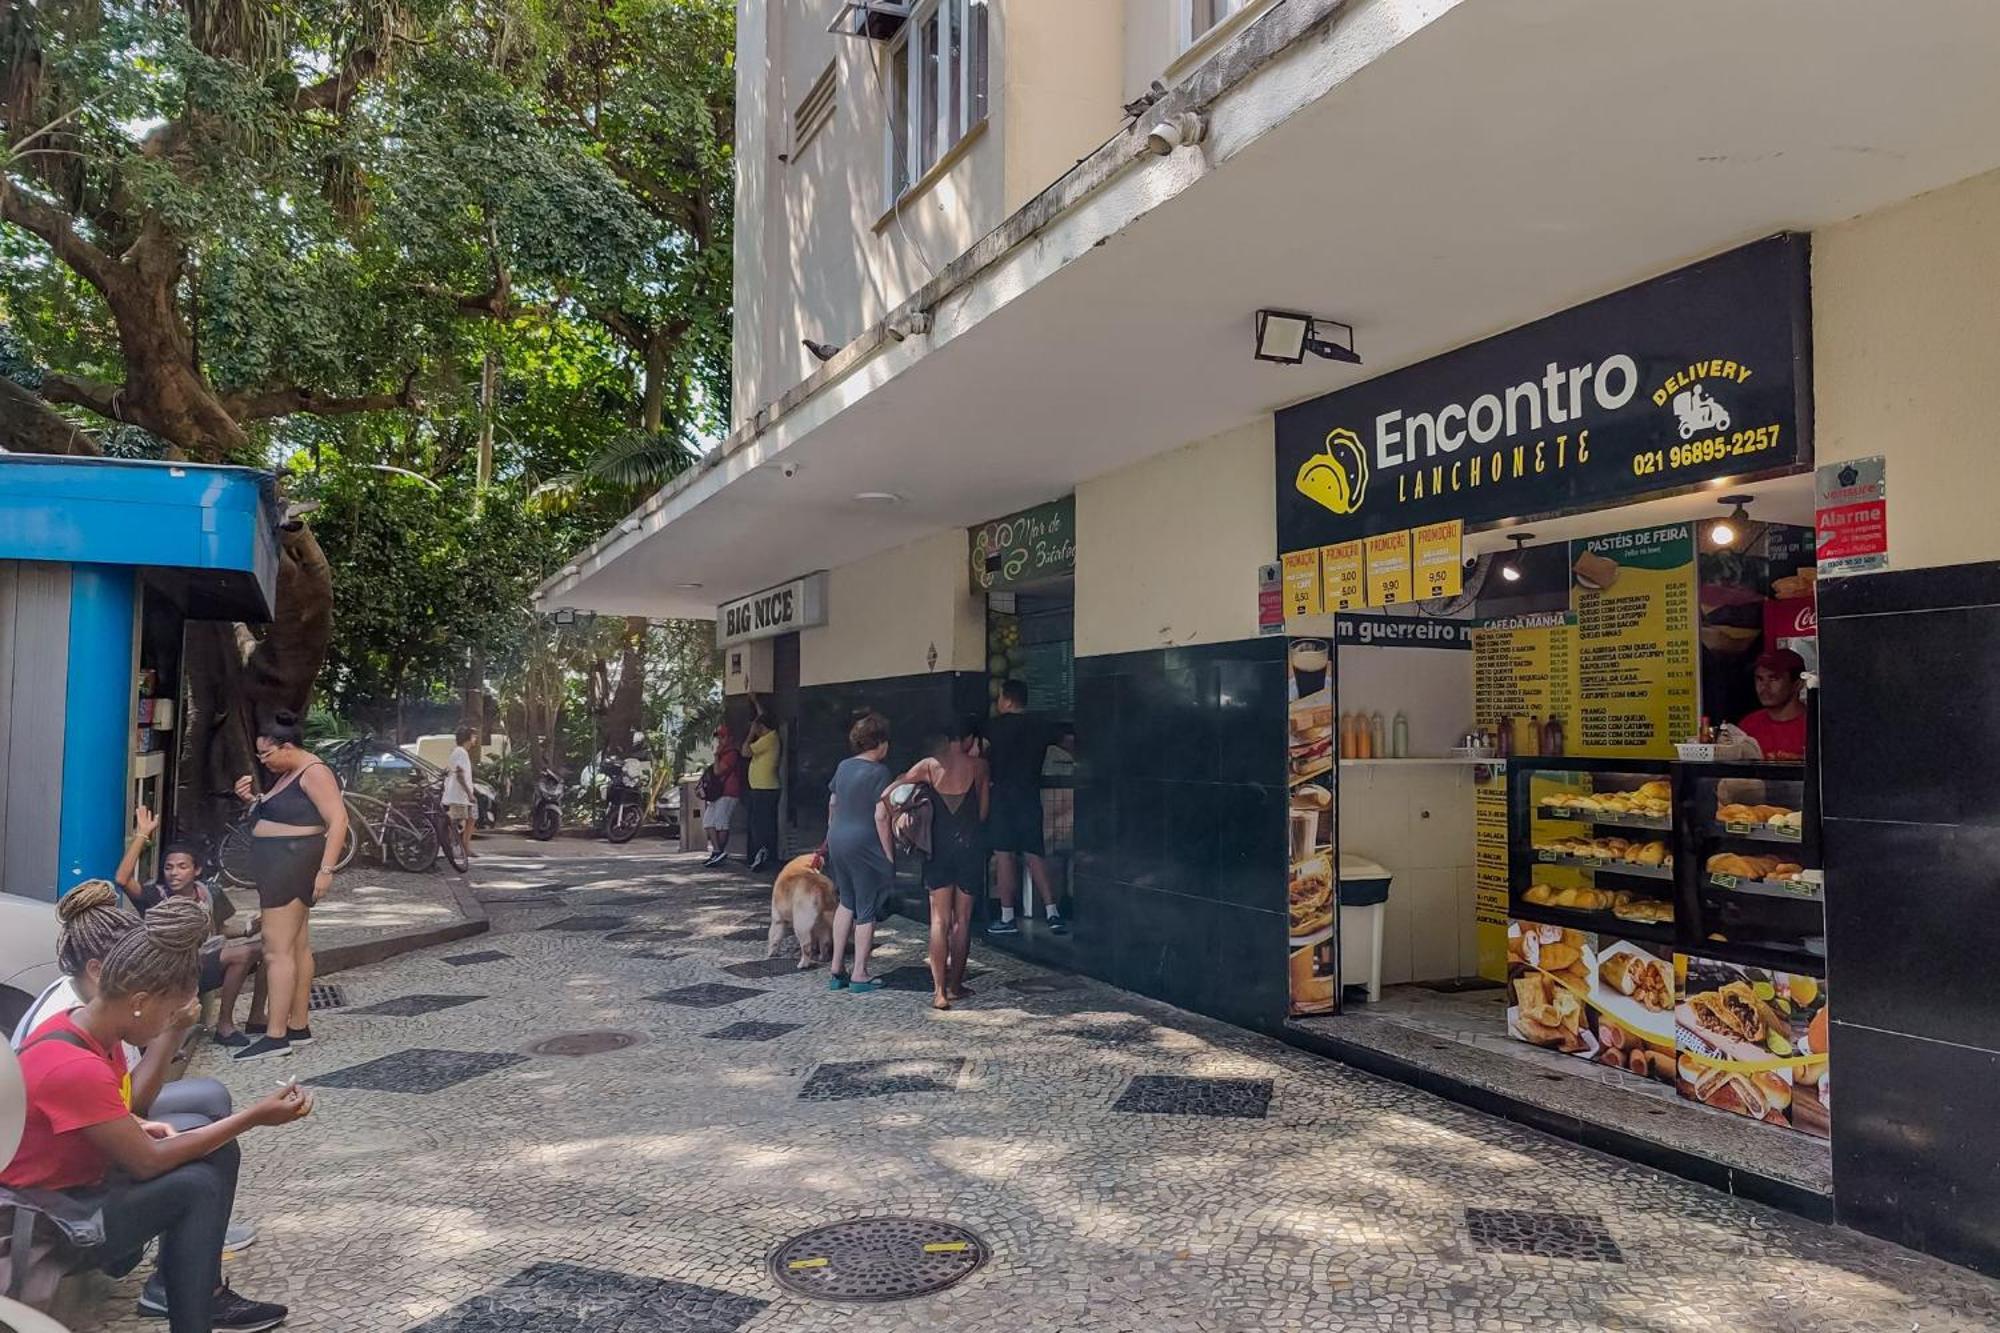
(886, 615)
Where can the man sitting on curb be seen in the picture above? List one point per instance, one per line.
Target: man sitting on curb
(225, 964)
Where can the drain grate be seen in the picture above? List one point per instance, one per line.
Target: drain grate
(326, 996)
(597, 1042)
(877, 1259)
(1577, 1236)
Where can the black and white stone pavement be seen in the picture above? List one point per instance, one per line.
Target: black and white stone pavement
(1129, 1166)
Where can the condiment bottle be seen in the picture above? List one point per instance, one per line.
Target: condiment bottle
(1363, 749)
(1399, 740)
(1552, 736)
(1527, 736)
(1347, 735)
(1505, 737)
(1378, 736)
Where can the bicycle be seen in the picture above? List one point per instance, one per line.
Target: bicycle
(395, 839)
(451, 839)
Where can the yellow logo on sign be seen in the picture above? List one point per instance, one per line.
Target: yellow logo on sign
(1336, 477)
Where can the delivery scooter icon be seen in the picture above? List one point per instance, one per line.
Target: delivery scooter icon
(1337, 476)
(1698, 412)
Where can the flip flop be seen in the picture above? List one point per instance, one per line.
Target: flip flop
(863, 987)
(837, 981)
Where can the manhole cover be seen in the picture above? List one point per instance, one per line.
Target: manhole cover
(877, 1259)
(584, 1043)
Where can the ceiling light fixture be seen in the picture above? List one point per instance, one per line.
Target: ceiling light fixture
(1727, 531)
(1285, 336)
(878, 498)
(1510, 569)
(629, 525)
(689, 586)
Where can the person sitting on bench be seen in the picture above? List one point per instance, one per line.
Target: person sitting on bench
(225, 963)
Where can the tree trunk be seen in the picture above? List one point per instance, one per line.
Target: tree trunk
(653, 402)
(624, 710)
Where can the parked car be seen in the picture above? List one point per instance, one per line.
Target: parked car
(377, 767)
(27, 955)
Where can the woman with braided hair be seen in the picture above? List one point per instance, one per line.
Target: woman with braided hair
(147, 1178)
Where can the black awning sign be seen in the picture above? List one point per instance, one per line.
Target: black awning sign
(1703, 373)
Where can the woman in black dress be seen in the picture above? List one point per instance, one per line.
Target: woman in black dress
(956, 783)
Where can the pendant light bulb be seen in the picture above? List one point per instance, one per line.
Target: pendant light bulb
(1727, 531)
(1510, 568)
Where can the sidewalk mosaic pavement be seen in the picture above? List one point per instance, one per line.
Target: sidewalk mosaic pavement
(1132, 1167)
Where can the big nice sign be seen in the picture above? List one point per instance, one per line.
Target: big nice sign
(800, 604)
(1700, 374)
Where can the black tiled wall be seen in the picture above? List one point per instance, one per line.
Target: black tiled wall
(916, 707)
(1910, 786)
(1180, 826)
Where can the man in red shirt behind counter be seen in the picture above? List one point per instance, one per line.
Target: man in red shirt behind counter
(1780, 725)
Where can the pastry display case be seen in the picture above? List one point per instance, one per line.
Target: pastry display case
(1593, 846)
(1759, 897)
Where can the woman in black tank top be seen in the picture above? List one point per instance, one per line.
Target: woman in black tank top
(956, 784)
(301, 825)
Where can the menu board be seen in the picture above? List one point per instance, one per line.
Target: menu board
(1340, 567)
(1525, 668)
(1489, 866)
(1633, 595)
(1301, 583)
(1389, 569)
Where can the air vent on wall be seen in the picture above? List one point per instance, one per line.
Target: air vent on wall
(876, 20)
(813, 112)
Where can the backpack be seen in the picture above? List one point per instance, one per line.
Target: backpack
(910, 816)
(711, 786)
(35, 1259)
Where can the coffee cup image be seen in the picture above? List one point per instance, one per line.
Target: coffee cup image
(1336, 478)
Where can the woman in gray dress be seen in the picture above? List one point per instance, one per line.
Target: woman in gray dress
(860, 854)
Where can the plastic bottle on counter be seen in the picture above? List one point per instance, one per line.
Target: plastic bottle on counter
(1504, 735)
(1347, 735)
(1399, 739)
(1363, 749)
(1527, 735)
(1552, 736)
(1378, 736)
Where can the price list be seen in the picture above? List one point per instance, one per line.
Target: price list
(1489, 851)
(1526, 670)
(1636, 643)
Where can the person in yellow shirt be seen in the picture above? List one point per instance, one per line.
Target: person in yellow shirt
(762, 749)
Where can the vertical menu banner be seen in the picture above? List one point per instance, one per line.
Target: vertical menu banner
(1440, 558)
(1314, 946)
(1489, 853)
(1302, 592)
(1388, 568)
(1345, 588)
(1633, 594)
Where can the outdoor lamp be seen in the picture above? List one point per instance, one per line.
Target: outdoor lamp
(1510, 569)
(1727, 530)
(1285, 336)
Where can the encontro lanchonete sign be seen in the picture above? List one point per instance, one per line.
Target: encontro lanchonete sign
(800, 604)
(1700, 374)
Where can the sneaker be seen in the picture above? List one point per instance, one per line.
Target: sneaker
(242, 1234)
(761, 860)
(714, 859)
(240, 1314)
(299, 1036)
(153, 1297)
(1004, 928)
(1056, 925)
(262, 1047)
(231, 1039)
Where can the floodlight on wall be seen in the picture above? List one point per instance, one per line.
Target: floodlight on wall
(873, 20)
(1510, 568)
(565, 617)
(1285, 336)
(1726, 531)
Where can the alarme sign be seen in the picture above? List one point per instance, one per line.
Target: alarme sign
(800, 604)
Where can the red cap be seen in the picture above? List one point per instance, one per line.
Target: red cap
(1782, 660)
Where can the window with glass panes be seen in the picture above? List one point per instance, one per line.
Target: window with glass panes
(936, 86)
(1205, 14)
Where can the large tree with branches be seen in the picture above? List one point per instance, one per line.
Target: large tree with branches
(222, 218)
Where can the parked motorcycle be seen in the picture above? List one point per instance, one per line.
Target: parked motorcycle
(545, 819)
(624, 802)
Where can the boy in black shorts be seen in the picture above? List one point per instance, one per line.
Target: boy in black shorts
(1016, 745)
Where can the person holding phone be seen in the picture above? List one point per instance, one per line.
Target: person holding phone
(147, 1178)
(300, 828)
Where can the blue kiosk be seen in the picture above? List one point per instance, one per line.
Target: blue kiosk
(102, 564)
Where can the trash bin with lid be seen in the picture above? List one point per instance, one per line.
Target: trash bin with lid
(1364, 897)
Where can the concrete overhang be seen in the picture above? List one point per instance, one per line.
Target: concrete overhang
(1431, 172)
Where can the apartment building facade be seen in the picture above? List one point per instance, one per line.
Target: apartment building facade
(1000, 412)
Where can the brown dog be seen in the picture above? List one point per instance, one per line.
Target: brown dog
(803, 900)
